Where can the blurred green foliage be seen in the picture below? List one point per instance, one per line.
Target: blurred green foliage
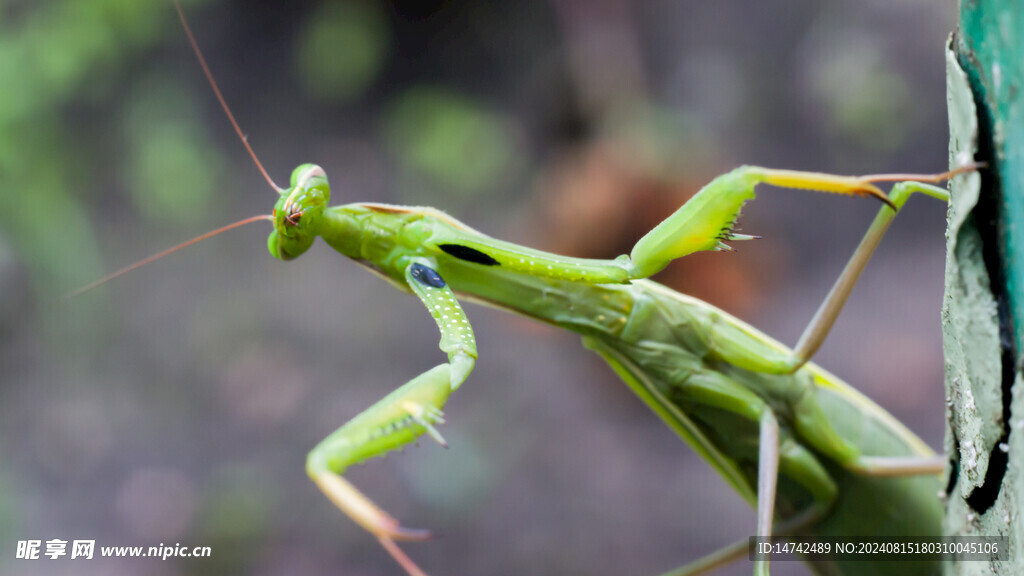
(235, 520)
(60, 59)
(342, 49)
(866, 98)
(454, 141)
(173, 165)
(71, 102)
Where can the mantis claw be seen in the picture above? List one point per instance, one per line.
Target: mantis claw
(432, 431)
(426, 416)
(866, 188)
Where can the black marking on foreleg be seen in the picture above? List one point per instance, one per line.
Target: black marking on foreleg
(468, 254)
(426, 276)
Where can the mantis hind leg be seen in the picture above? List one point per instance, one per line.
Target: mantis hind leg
(787, 456)
(741, 548)
(774, 456)
(792, 460)
(883, 466)
(767, 480)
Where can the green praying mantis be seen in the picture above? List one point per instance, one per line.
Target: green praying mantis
(808, 452)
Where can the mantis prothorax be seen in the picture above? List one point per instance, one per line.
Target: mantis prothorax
(757, 411)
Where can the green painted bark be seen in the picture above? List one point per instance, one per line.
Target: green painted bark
(983, 308)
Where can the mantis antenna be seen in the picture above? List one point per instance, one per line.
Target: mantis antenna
(220, 98)
(241, 136)
(167, 252)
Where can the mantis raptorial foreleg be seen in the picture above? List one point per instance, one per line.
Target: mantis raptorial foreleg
(400, 417)
(704, 222)
(741, 349)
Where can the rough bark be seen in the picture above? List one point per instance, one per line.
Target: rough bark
(984, 301)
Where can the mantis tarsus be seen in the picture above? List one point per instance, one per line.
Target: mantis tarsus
(717, 382)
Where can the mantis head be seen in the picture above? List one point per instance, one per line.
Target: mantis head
(298, 213)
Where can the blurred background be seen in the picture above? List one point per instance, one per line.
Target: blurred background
(177, 404)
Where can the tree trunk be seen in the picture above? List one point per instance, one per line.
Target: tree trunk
(983, 308)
